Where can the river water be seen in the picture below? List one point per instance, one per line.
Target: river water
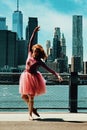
(57, 96)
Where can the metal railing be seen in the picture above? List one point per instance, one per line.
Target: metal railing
(72, 80)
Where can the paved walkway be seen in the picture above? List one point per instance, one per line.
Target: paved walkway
(17, 116)
(52, 121)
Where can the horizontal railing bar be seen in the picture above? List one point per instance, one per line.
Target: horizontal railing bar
(44, 108)
(82, 108)
(37, 108)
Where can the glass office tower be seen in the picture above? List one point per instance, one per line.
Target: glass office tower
(77, 39)
(17, 22)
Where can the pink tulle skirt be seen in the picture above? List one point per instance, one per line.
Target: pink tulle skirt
(33, 84)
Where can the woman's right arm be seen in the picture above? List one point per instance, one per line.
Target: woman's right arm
(32, 38)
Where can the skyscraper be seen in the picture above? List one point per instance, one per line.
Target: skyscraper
(85, 67)
(3, 25)
(63, 45)
(48, 45)
(8, 49)
(32, 23)
(17, 22)
(75, 64)
(56, 44)
(77, 39)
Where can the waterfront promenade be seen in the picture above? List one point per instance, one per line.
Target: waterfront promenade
(47, 121)
(52, 121)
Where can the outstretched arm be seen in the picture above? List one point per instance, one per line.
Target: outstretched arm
(32, 38)
(51, 71)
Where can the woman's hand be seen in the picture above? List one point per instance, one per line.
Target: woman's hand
(60, 78)
(37, 29)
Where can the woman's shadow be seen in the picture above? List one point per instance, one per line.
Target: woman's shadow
(50, 119)
(55, 120)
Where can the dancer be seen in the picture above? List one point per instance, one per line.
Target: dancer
(31, 82)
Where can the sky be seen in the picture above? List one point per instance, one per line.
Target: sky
(50, 14)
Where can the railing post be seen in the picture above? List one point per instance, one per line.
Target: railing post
(73, 92)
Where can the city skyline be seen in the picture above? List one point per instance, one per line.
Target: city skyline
(57, 13)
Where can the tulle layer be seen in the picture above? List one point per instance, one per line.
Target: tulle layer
(33, 84)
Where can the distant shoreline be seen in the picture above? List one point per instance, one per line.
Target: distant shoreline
(13, 79)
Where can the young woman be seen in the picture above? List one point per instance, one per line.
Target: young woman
(32, 82)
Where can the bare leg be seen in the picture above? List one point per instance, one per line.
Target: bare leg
(30, 105)
(25, 98)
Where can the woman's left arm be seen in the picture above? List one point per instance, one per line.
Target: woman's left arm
(51, 71)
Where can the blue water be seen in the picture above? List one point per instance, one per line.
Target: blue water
(57, 96)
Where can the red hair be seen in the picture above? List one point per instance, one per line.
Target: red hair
(42, 53)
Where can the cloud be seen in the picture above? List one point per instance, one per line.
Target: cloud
(80, 6)
(48, 19)
(8, 4)
(79, 1)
